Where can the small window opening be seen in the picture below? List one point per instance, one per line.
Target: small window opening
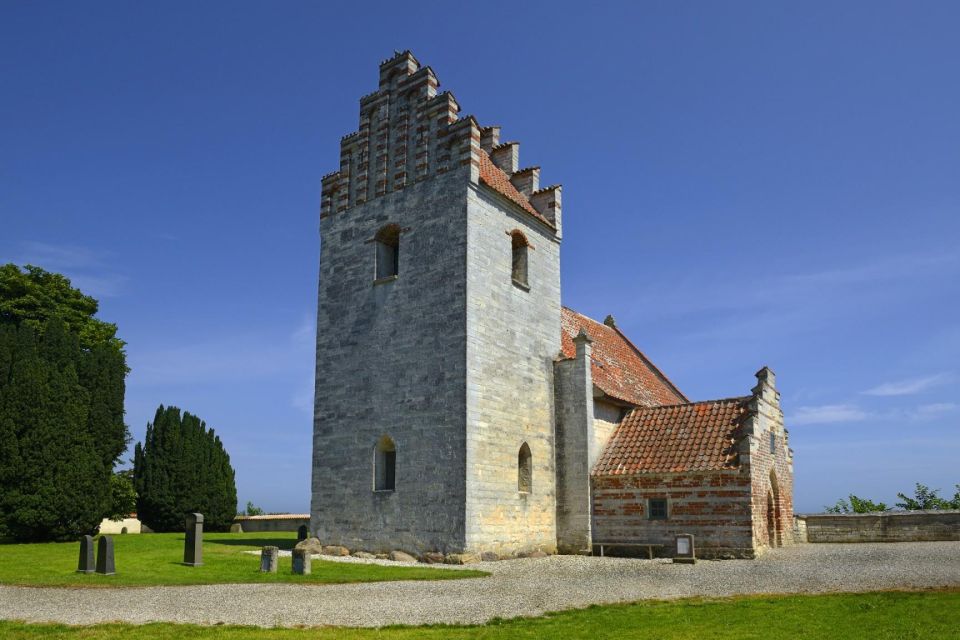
(388, 252)
(524, 470)
(385, 465)
(519, 246)
(657, 508)
(773, 442)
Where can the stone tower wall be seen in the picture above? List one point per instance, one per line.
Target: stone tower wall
(513, 337)
(391, 355)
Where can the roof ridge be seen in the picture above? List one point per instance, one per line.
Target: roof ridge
(693, 403)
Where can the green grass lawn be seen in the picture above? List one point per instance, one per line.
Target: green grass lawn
(867, 616)
(155, 559)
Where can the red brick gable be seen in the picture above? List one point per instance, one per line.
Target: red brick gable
(698, 436)
(619, 369)
(495, 178)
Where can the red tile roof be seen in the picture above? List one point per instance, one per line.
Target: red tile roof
(698, 436)
(619, 369)
(497, 179)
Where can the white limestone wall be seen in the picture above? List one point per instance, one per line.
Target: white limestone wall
(513, 336)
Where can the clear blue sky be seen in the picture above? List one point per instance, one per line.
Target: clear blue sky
(744, 184)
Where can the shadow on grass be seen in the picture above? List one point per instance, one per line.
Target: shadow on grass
(283, 543)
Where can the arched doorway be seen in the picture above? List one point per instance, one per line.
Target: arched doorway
(774, 521)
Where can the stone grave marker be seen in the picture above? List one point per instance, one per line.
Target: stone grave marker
(302, 532)
(301, 562)
(87, 563)
(105, 563)
(193, 540)
(269, 558)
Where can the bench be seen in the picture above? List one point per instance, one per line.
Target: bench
(649, 546)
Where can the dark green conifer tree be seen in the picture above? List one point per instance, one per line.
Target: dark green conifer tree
(182, 467)
(61, 407)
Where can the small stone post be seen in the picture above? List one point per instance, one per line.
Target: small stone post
(302, 532)
(268, 559)
(105, 564)
(301, 562)
(87, 563)
(193, 541)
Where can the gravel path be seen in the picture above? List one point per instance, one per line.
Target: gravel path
(526, 587)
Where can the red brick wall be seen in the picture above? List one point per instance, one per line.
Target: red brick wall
(714, 506)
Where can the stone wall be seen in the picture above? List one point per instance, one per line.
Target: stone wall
(575, 447)
(513, 336)
(284, 522)
(606, 419)
(771, 471)
(889, 526)
(391, 361)
(714, 506)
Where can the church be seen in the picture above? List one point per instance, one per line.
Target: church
(460, 408)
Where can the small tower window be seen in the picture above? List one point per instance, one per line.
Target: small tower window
(388, 252)
(524, 470)
(385, 465)
(519, 246)
(773, 442)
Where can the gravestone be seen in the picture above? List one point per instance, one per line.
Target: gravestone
(302, 532)
(105, 564)
(193, 541)
(301, 562)
(268, 559)
(87, 563)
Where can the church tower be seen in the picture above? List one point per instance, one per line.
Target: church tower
(437, 329)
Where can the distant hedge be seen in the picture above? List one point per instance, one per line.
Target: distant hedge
(181, 467)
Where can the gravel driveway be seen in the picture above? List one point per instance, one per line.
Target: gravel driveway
(527, 587)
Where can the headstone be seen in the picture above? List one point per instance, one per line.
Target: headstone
(684, 552)
(301, 562)
(105, 564)
(302, 532)
(193, 540)
(87, 563)
(268, 559)
(236, 527)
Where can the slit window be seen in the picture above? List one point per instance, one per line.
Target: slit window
(519, 247)
(773, 442)
(387, 252)
(385, 465)
(524, 470)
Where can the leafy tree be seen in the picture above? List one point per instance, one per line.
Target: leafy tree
(253, 510)
(62, 383)
(182, 467)
(123, 497)
(856, 505)
(923, 498)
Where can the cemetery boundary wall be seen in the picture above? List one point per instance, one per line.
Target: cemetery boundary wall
(886, 526)
(273, 522)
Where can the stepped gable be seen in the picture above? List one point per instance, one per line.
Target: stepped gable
(619, 369)
(409, 132)
(698, 436)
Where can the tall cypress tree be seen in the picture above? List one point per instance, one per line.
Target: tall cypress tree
(182, 467)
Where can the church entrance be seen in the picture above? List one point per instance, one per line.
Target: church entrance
(774, 521)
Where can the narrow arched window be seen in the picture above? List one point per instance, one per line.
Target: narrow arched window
(388, 252)
(519, 245)
(385, 465)
(524, 470)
